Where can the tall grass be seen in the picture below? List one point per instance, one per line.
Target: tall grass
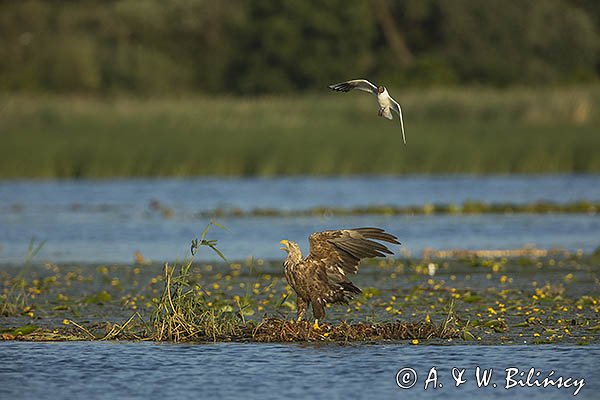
(471, 130)
(15, 299)
(182, 312)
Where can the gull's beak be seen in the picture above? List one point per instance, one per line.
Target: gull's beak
(285, 243)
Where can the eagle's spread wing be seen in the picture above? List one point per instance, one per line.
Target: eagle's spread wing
(340, 251)
(360, 84)
(396, 107)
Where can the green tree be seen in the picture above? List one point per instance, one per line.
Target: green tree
(274, 46)
(515, 41)
(286, 44)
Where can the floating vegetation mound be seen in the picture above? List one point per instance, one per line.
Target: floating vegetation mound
(183, 315)
(278, 330)
(270, 330)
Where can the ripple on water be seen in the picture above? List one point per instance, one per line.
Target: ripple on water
(232, 370)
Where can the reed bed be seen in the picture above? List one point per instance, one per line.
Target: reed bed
(459, 130)
(469, 207)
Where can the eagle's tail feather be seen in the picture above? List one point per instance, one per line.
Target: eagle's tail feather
(350, 287)
(343, 292)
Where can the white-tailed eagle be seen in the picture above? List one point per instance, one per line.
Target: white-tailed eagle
(321, 277)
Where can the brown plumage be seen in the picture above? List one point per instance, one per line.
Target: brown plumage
(320, 278)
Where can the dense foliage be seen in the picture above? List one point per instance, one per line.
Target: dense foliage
(275, 46)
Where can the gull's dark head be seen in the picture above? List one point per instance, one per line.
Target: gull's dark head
(380, 89)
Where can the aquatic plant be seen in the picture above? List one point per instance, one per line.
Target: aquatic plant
(15, 299)
(182, 312)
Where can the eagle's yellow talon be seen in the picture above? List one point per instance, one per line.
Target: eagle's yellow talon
(316, 325)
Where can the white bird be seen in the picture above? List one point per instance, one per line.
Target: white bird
(386, 103)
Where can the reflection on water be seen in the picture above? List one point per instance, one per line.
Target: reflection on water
(107, 221)
(94, 370)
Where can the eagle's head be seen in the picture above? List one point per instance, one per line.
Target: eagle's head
(291, 248)
(288, 246)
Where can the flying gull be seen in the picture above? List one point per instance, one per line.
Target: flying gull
(386, 103)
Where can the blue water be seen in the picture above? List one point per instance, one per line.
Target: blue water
(107, 221)
(104, 370)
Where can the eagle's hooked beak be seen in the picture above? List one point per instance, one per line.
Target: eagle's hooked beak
(285, 243)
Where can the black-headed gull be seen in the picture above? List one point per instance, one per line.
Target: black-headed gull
(386, 103)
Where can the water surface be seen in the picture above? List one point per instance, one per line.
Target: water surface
(97, 370)
(107, 221)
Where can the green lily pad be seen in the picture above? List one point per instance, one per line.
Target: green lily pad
(24, 330)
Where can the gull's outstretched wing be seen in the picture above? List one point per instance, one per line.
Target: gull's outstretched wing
(396, 107)
(360, 84)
